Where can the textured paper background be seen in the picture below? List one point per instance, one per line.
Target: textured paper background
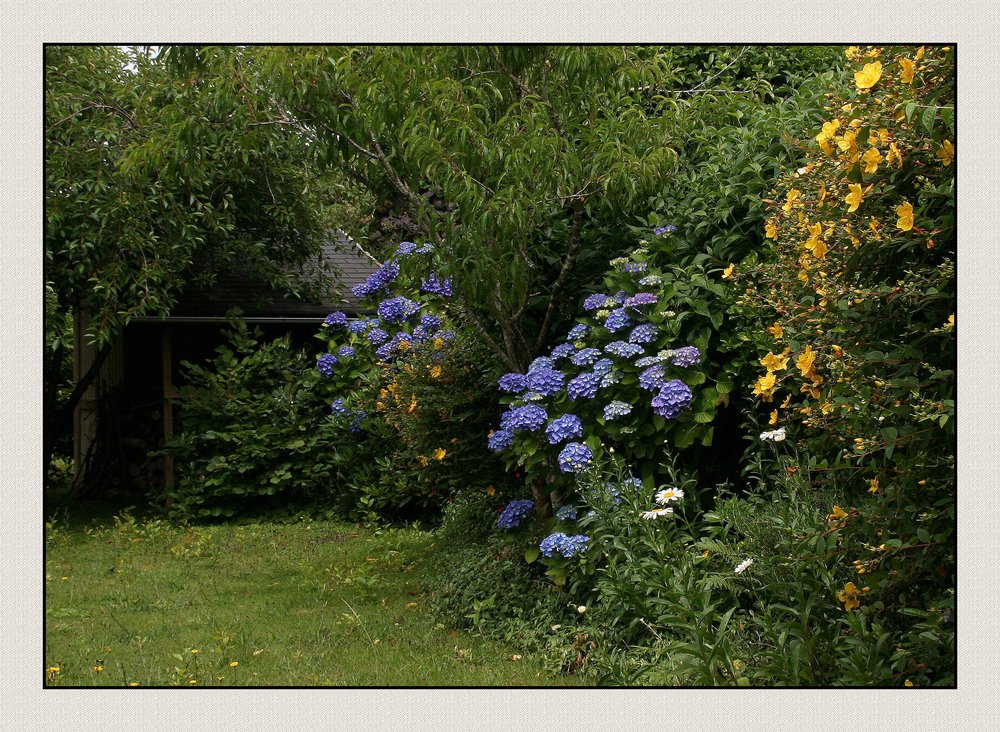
(26, 706)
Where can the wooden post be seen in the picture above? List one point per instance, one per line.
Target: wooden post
(168, 408)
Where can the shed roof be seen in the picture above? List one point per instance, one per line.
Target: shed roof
(258, 300)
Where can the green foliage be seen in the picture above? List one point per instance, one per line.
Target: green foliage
(253, 431)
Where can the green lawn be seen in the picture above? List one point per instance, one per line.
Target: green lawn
(305, 604)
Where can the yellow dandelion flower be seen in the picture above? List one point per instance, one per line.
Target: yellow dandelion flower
(909, 68)
(905, 213)
(868, 76)
(871, 159)
(853, 199)
(133, 683)
(907, 683)
(946, 152)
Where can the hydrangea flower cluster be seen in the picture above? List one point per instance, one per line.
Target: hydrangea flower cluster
(566, 546)
(616, 320)
(645, 333)
(378, 281)
(430, 322)
(653, 378)
(397, 309)
(685, 356)
(546, 381)
(639, 299)
(434, 285)
(585, 356)
(566, 513)
(661, 230)
(514, 383)
(672, 399)
(617, 409)
(564, 428)
(577, 332)
(635, 267)
(595, 302)
(527, 418)
(515, 513)
(346, 351)
(377, 336)
(623, 349)
(583, 386)
(500, 440)
(562, 351)
(339, 407)
(325, 364)
(336, 318)
(575, 458)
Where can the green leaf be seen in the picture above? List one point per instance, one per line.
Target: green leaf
(531, 554)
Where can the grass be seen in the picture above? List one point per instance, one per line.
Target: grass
(313, 603)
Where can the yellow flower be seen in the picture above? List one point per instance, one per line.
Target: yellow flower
(133, 683)
(438, 343)
(849, 596)
(920, 53)
(195, 651)
(852, 53)
(806, 362)
(774, 418)
(905, 213)
(908, 70)
(894, 156)
(424, 462)
(764, 388)
(787, 403)
(774, 363)
(439, 454)
(822, 195)
(776, 330)
(54, 669)
(873, 485)
(490, 490)
(946, 152)
(234, 664)
(838, 517)
(814, 243)
(413, 405)
(790, 200)
(868, 76)
(871, 159)
(404, 345)
(853, 199)
(951, 322)
(435, 372)
(727, 273)
(770, 230)
(907, 683)
(98, 669)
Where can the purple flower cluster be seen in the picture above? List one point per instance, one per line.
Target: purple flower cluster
(513, 382)
(672, 399)
(685, 356)
(406, 248)
(346, 351)
(600, 300)
(577, 332)
(616, 409)
(585, 356)
(430, 322)
(653, 378)
(617, 320)
(562, 351)
(433, 285)
(546, 381)
(325, 364)
(635, 267)
(528, 418)
(640, 298)
(378, 280)
(661, 230)
(575, 457)
(500, 440)
(603, 366)
(336, 318)
(645, 333)
(623, 349)
(583, 385)
(357, 425)
(397, 309)
(564, 428)
(566, 513)
(339, 407)
(566, 546)
(358, 326)
(377, 336)
(515, 513)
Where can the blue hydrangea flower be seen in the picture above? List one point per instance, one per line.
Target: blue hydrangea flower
(583, 385)
(385, 352)
(577, 332)
(619, 297)
(566, 546)
(339, 407)
(649, 361)
(685, 356)
(531, 396)
(603, 366)
(672, 399)
(500, 440)
(575, 457)
(623, 349)
(357, 326)
(529, 418)
(420, 334)
(346, 351)
(546, 381)
(651, 280)
(661, 230)
(564, 428)
(595, 302)
(430, 322)
(406, 248)
(611, 378)
(434, 285)
(645, 333)
(426, 249)
(639, 299)
(357, 425)
(562, 351)
(616, 409)
(542, 362)
(617, 320)
(566, 513)
(397, 309)
(515, 513)
(377, 336)
(336, 318)
(585, 356)
(635, 267)
(325, 364)
(653, 378)
(513, 383)
(378, 280)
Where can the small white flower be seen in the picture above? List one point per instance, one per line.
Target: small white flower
(669, 494)
(656, 513)
(774, 435)
(743, 566)
(581, 609)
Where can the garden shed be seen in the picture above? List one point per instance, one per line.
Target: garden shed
(129, 409)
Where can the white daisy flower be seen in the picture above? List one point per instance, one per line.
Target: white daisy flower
(656, 513)
(669, 494)
(743, 566)
(774, 435)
